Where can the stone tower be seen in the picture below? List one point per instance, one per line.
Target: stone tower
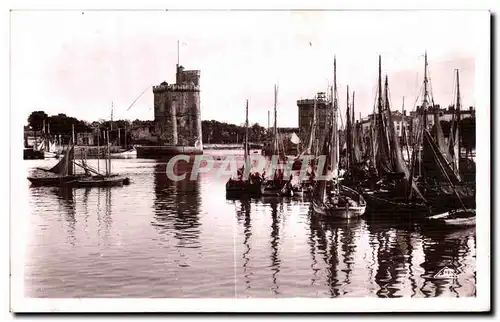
(177, 112)
(306, 111)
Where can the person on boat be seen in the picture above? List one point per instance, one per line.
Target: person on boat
(240, 174)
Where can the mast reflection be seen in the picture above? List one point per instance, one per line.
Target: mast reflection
(66, 199)
(393, 258)
(177, 204)
(331, 236)
(243, 214)
(275, 238)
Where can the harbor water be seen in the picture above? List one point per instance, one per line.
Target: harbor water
(158, 238)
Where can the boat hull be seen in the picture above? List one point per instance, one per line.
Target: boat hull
(342, 212)
(385, 203)
(236, 188)
(99, 182)
(51, 181)
(455, 218)
(338, 212)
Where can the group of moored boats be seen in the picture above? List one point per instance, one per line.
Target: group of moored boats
(64, 174)
(351, 170)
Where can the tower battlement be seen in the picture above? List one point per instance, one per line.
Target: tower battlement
(176, 88)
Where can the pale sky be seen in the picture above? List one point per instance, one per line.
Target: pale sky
(78, 63)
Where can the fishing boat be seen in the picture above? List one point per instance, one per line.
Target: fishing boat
(331, 199)
(390, 188)
(455, 218)
(246, 183)
(344, 204)
(305, 186)
(274, 186)
(438, 163)
(98, 180)
(59, 174)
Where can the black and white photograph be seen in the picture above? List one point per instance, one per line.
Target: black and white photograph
(249, 160)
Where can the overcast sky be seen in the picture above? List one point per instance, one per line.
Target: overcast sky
(78, 63)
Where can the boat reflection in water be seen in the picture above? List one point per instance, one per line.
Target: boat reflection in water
(177, 204)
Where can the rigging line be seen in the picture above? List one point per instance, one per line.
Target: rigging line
(418, 96)
(453, 102)
(138, 98)
(443, 171)
(431, 94)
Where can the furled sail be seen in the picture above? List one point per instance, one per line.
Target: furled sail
(383, 158)
(454, 137)
(355, 136)
(395, 149)
(65, 166)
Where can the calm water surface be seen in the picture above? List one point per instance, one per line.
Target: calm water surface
(159, 238)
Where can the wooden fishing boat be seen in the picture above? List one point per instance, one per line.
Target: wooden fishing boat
(455, 218)
(331, 199)
(250, 186)
(236, 188)
(390, 188)
(345, 205)
(272, 188)
(384, 201)
(62, 172)
(51, 181)
(99, 181)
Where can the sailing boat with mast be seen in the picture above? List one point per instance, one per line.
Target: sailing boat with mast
(99, 180)
(331, 199)
(305, 185)
(59, 174)
(243, 185)
(276, 185)
(444, 187)
(393, 191)
(465, 168)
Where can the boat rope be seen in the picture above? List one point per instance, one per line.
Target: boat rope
(443, 170)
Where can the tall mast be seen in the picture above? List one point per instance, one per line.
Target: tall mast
(353, 130)
(246, 133)
(178, 53)
(108, 156)
(458, 112)
(348, 132)
(106, 151)
(268, 120)
(111, 115)
(353, 115)
(334, 140)
(456, 135)
(98, 146)
(275, 140)
(426, 92)
(379, 85)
